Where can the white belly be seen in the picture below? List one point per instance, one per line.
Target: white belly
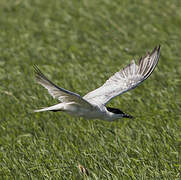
(76, 110)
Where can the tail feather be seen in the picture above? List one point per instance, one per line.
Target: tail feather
(57, 107)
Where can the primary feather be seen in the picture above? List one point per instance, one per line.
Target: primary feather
(124, 80)
(61, 94)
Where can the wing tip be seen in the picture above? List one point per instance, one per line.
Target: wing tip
(36, 69)
(156, 49)
(38, 74)
(156, 59)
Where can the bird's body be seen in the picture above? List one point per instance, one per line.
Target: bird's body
(73, 109)
(93, 104)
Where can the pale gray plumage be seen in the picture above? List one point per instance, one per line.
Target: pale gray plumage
(124, 80)
(61, 94)
(92, 105)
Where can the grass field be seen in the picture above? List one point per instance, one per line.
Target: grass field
(78, 45)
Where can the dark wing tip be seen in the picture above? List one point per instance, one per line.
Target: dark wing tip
(148, 63)
(36, 69)
(38, 74)
(158, 49)
(155, 60)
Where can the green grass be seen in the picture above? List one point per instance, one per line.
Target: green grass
(78, 45)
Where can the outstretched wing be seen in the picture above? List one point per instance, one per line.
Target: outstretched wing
(124, 80)
(61, 94)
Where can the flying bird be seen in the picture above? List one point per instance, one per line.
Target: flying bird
(93, 104)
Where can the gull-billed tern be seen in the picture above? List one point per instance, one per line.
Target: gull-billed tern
(93, 104)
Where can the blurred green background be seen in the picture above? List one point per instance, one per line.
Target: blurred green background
(78, 45)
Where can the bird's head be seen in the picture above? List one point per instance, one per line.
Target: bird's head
(117, 113)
